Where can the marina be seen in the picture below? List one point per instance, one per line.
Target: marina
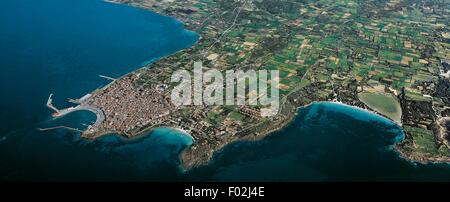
(81, 107)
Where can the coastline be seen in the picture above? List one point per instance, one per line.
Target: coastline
(278, 126)
(419, 160)
(397, 148)
(373, 112)
(184, 157)
(144, 66)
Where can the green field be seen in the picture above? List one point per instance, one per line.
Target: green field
(383, 103)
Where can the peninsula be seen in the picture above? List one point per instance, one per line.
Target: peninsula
(328, 50)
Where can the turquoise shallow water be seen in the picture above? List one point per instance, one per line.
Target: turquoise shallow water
(325, 142)
(61, 47)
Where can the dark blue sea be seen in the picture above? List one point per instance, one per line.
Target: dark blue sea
(61, 47)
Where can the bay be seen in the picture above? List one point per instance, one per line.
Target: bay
(61, 47)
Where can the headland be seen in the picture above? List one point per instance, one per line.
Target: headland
(320, 60)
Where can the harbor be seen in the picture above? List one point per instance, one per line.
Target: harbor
(82, 106)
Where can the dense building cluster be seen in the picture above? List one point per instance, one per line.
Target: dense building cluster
(324, 50)
(119, 103)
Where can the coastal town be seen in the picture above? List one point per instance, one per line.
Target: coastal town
(391, 58)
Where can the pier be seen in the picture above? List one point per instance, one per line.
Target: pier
(107, 77)
(60, 127)
(81, 107)
(81, 100)
(50, 104)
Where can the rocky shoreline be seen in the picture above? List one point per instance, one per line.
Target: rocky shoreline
(204, 147)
